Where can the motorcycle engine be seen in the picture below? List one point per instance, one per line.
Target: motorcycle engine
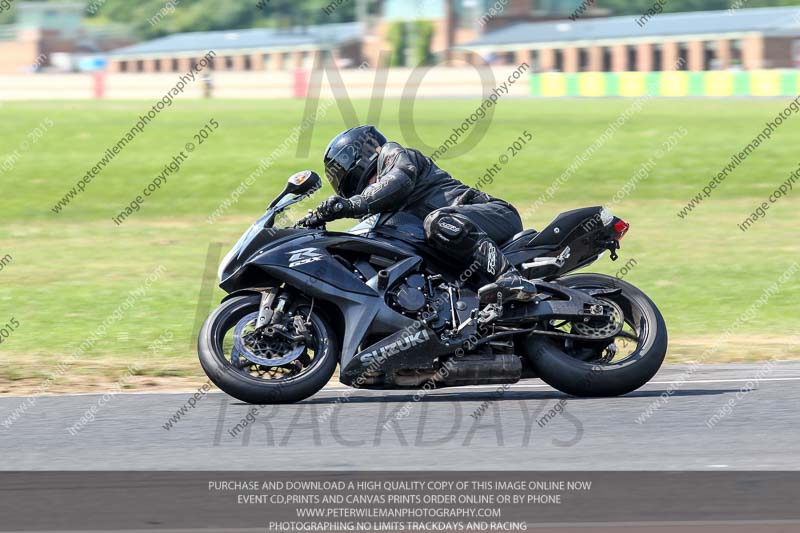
(410, 296)
(413, 297)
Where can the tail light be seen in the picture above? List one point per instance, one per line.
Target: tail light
(621, 227)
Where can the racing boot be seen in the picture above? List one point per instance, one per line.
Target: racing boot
(508, 284)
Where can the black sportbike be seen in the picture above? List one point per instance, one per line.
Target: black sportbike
(394, 314)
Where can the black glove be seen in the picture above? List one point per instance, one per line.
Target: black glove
(311, 221)
(335, 208)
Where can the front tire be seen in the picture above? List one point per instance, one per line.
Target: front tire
(246, 381)
(561, 368)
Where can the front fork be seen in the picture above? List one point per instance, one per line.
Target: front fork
(267, 316)
(265, 311)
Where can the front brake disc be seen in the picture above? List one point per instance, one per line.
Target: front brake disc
(260, 355)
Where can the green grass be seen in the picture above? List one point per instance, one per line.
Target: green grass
(72, 270)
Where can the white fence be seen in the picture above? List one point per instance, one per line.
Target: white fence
(433, 83)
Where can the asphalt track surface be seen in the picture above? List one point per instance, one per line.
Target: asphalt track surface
(469, 428)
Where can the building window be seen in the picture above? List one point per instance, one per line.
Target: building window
(607, 59)
(287, 60)
(228, 63)
(631, 55)
(583, 60)
(658, 58)
(140, 66)
(123, 66)
(708, 57)
(683, 56)
(533, 57)
(558, 60)
(175, 65)
(248, 64)
(267, 59)
(157, 65)
(736, 53)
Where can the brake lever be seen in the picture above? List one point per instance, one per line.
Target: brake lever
(311, 221)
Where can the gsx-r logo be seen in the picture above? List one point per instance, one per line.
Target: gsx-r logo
(304, 257)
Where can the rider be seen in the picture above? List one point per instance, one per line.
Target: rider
(372, 175)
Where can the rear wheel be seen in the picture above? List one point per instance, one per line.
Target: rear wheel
(286, 363)
(630, 347)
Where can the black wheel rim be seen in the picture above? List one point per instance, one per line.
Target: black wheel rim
(297, 369)
(623, 347)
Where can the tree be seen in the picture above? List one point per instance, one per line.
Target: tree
(422, 45)
(210, 15)
(397, 38)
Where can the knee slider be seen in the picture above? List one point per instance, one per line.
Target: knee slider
(447, 228)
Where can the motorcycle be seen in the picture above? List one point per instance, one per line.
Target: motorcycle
(392, 313)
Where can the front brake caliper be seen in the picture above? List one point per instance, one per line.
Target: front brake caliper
(300, 328)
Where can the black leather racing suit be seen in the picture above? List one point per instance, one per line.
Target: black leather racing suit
(461, 222)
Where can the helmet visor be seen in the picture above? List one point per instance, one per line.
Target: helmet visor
(339, 166)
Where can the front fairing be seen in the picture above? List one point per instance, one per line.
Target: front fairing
(262, 245)
(258, 236)
(255, 239)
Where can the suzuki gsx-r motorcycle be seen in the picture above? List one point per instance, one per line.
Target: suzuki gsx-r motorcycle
(393, 314)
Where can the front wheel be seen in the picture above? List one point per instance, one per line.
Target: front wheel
(269, 365)
(629, 351)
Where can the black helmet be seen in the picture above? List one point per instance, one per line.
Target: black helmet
(351, 159)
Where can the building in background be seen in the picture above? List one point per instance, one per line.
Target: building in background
(750, 39)
(457, 22)
(243, 50)
(452, 22)
(47, 35)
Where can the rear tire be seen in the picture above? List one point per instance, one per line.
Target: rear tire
(586, 378)
(247, 388)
